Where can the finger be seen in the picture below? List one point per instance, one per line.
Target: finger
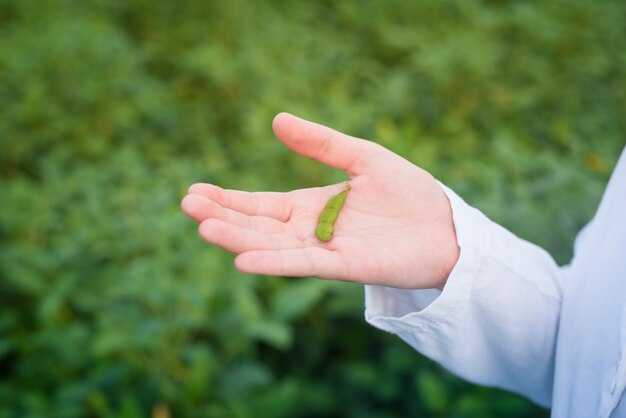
(294, 262)
(201, 208)
(236, 239)
(324, 144)
(270, 204)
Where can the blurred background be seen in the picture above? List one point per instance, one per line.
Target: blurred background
(111, 304)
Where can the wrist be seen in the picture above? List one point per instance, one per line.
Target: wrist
(449, 250)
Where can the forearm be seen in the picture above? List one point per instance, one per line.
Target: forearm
(495, 322)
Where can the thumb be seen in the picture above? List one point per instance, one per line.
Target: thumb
(324, 144)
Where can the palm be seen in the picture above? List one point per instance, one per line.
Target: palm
(389, 231)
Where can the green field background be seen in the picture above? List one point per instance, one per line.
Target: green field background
(112, 306)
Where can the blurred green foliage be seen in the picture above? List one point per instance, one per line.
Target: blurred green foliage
(111, 306)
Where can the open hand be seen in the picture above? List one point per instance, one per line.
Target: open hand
(395, 229)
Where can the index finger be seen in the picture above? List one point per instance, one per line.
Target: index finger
(271, 204)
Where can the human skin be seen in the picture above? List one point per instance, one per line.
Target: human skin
(395, 228)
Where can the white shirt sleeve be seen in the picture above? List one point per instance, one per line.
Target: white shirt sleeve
(495, 322)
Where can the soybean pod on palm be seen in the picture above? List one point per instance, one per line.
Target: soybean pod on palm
(328, 216)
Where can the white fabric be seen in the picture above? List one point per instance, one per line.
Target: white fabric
(509, 317)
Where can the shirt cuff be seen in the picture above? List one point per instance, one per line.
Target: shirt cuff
(406, 310)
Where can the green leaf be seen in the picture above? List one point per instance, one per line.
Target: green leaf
(297, 297)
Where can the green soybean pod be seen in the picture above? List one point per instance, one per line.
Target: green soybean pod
(326, 223)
